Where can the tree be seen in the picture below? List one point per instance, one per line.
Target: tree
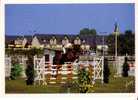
(30, 71)
(84, 31)
(125, 43)
(111, 44)
(128, 32)
(106, 71)
(125, 68)
(92, 32)
(88, 32)
(130, 41)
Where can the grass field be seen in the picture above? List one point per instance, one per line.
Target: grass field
(116, 85)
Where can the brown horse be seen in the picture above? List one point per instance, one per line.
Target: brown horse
(70, 56)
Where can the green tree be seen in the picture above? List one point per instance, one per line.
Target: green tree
(88, 32)
(125, 43)
(92, 32)
(111, 44)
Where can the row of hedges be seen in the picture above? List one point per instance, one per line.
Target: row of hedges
(19, 51)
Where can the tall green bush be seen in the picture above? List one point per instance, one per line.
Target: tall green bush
(125, 68)
(16, 71)
(30, 71)
(106, 71)
(16, 68)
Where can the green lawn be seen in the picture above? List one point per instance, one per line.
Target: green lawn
(19, 86)
(116, 85)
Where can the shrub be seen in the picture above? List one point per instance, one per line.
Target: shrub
(106, 71)
(125, 68)
(16, 71)
(84, 81)
(30, 71)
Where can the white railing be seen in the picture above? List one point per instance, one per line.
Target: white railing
(64, 72)
(7, 66)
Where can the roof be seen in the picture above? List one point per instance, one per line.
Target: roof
(45, 38)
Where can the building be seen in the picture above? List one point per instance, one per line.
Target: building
(20, 42)
(56, 42)
(36, 43)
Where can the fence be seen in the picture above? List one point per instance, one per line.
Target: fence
(8, 65)
(50, 74)
(120, 62)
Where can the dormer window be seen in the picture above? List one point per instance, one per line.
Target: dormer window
(18, 41)
(44, 41)
(53, 41)
(77, 41)
(65, 41)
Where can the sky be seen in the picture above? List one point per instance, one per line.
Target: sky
(29, 19)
